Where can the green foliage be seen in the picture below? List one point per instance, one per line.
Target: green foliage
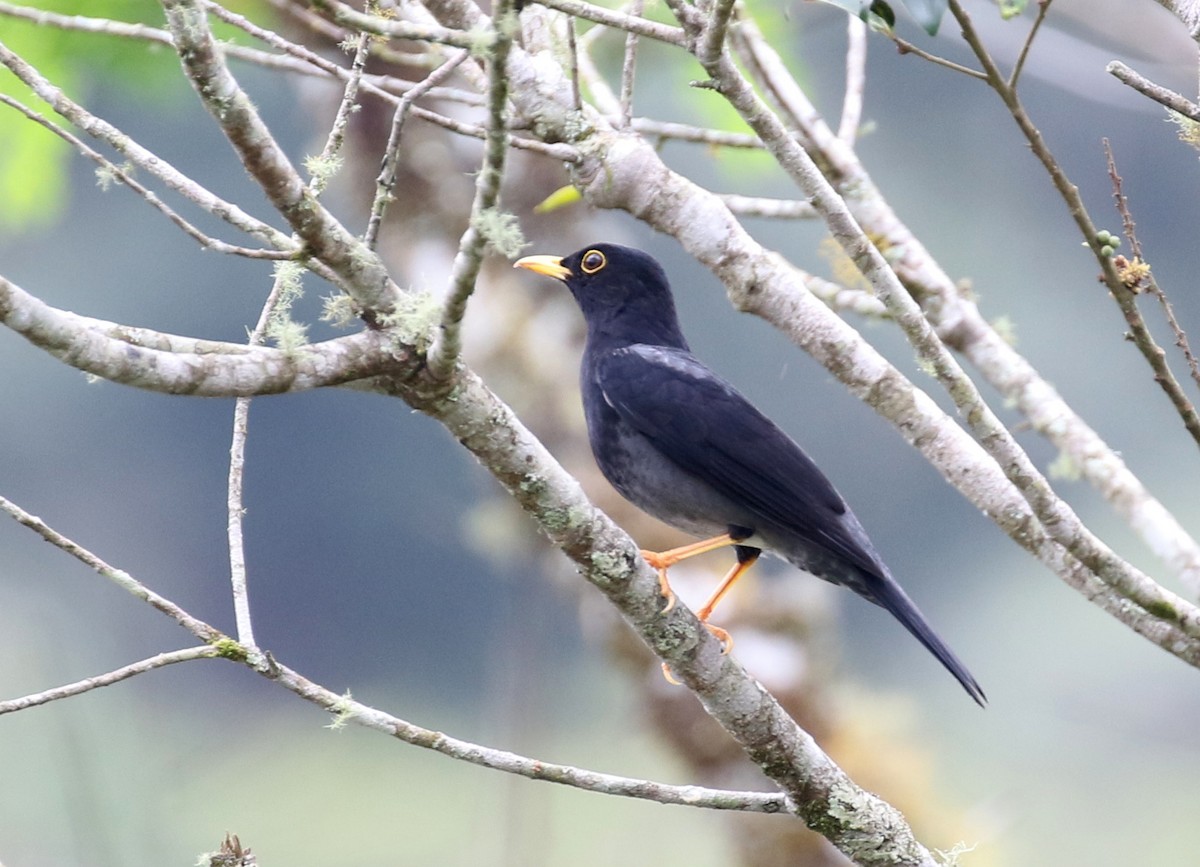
(879, 14)
(927, 13)
(1012, 8)
(33, 161)
(32, 172)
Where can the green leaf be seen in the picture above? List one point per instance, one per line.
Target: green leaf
(876, 13)
(880, 15)
(881, 11)
(1012, 8)
(927, 13)
(560, 198)
(33, 175)
(33, 162)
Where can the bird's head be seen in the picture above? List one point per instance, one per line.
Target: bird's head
(623, 293)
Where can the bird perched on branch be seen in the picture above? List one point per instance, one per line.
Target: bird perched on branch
(681, 443)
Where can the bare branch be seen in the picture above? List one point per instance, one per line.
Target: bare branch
(618, 20)
(346, 709)
(683, 132)
(488, 225)
(710, 42)
(386, 183)
(773, 209)
(1043, 7)
(117, 174)
(856, 79)
(1163, 96)
(122, 579)
(629, 67)
(109, 678)
(962, 325)
(138, 155)
(330, 242)
(907, 47)
(210, 372)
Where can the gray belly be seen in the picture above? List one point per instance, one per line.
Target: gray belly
(656, 485)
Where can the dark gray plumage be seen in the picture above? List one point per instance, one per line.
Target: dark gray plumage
(681, 443)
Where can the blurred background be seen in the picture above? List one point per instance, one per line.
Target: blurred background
(385, 562)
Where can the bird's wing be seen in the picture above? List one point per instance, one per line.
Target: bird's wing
(703, 424)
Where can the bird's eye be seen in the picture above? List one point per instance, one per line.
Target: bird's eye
(592, 261)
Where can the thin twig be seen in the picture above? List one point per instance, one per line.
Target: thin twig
(619, 20)
(117, 174)
(906, 47)
(125, 672)
(386, 182)
(138, 155)
(1139, 331)
(275, 305)
(685, 132)
(856, 79)
(1169, 98)
(1015, 75)
(772, 209)
(365, 277)
(347, 709)
(356, 21)
(555, 150)
(122, 579)
(629, 68)
(487, 224)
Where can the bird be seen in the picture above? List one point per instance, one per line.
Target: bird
(681, 443)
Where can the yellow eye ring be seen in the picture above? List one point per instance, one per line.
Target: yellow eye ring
(592, 261)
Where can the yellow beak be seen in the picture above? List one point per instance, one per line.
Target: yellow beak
(551, 266)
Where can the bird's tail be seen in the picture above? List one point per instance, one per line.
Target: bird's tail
(889, 595)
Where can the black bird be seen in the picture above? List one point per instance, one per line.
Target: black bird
(681, 443)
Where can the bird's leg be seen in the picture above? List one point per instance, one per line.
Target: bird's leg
(664, 560)
(746, 557)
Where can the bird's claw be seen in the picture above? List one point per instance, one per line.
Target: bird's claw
(722, 635)
(658, 562)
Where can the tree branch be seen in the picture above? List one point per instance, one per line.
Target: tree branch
(488, 226)
(346, 709)
(623, 173)
(122, 579)
(358, 267)
(1163, 96)
(109, 678)
(962, 325)
(211, 373)
(138, 155)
